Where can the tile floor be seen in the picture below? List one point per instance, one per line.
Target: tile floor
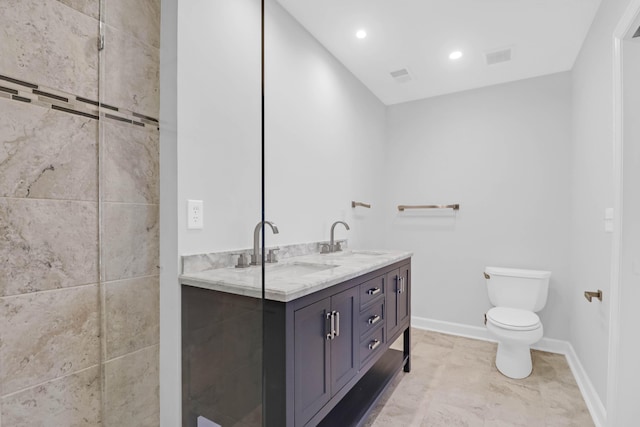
(454, 382)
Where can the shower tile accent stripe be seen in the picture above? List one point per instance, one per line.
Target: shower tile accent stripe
(22, 91)
(11, 91)
(20, 98)
(50, 95)
(88, 101)
(80, 113)
(18, 82)
(140, 116)
(122, 119)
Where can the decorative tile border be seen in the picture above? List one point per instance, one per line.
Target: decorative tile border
(21, 91)
(203, 262)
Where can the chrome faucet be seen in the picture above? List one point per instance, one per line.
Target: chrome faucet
(332, 245)
(256, 259)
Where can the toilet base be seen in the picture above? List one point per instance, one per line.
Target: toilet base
(514, 360)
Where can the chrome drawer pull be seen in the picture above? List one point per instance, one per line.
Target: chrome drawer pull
(373, 291)
(374, 319)
(374, 344)
(336, 333)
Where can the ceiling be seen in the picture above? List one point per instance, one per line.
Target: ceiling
(545, 37)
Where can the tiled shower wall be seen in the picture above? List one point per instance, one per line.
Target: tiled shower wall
(79, 194)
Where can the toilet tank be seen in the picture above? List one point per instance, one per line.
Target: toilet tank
(516, 288)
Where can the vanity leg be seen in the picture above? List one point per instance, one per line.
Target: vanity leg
(407, 349)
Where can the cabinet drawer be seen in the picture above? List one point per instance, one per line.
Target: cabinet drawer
(373, 344)
(371, 290)
(371, 317)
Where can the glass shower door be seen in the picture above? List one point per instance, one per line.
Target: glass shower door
(129, 201)
(217, 155)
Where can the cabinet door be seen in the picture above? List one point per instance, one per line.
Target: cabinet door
(393, 283)
(344, 357)
(311, 360)
(404, 298)
(398, 299)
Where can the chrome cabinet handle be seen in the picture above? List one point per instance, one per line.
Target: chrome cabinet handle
(329, 317)
(374, 319)
(373, 291)
(374, 344)
(336, 333)
(401, 287)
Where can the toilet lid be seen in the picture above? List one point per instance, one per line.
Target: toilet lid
(513, 318)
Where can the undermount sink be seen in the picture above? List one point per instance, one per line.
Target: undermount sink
(355, 254)
(296, 269)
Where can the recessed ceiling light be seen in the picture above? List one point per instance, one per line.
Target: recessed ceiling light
(455, 55)
(361, 34)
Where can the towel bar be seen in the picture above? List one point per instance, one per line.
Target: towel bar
(455, 207)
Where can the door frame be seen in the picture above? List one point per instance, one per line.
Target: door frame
(630, 18)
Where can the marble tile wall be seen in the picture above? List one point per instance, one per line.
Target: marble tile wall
(49, 43)
(47, 154)
(79, 344)
(46, 335)
(57, 402)
(131, 389)
(131, 70)
(132, 315)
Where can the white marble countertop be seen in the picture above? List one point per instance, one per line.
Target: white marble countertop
(294, 277)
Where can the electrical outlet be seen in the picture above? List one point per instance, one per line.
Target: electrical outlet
(195, 215)
(608, 220)
(204, 422)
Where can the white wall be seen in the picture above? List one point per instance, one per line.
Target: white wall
(501, 152)
(324, 131)
(219, 120)
(592, 190)
(324, 140)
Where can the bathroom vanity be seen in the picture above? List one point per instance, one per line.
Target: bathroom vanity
(323, 333)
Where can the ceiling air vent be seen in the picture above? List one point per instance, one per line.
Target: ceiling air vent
(498, 56)
(401, 76)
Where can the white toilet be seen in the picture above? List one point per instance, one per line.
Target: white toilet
(516, 295)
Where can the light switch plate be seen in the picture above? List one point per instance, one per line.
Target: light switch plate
(608, 213)
(195, 214)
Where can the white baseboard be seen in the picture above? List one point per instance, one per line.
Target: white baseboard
(591, 398)
(458, 329)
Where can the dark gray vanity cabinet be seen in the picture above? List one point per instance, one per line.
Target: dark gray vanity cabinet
(325, 357)
(322, 359)
(316, 379)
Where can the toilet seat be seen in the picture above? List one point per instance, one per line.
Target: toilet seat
(513, 319)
